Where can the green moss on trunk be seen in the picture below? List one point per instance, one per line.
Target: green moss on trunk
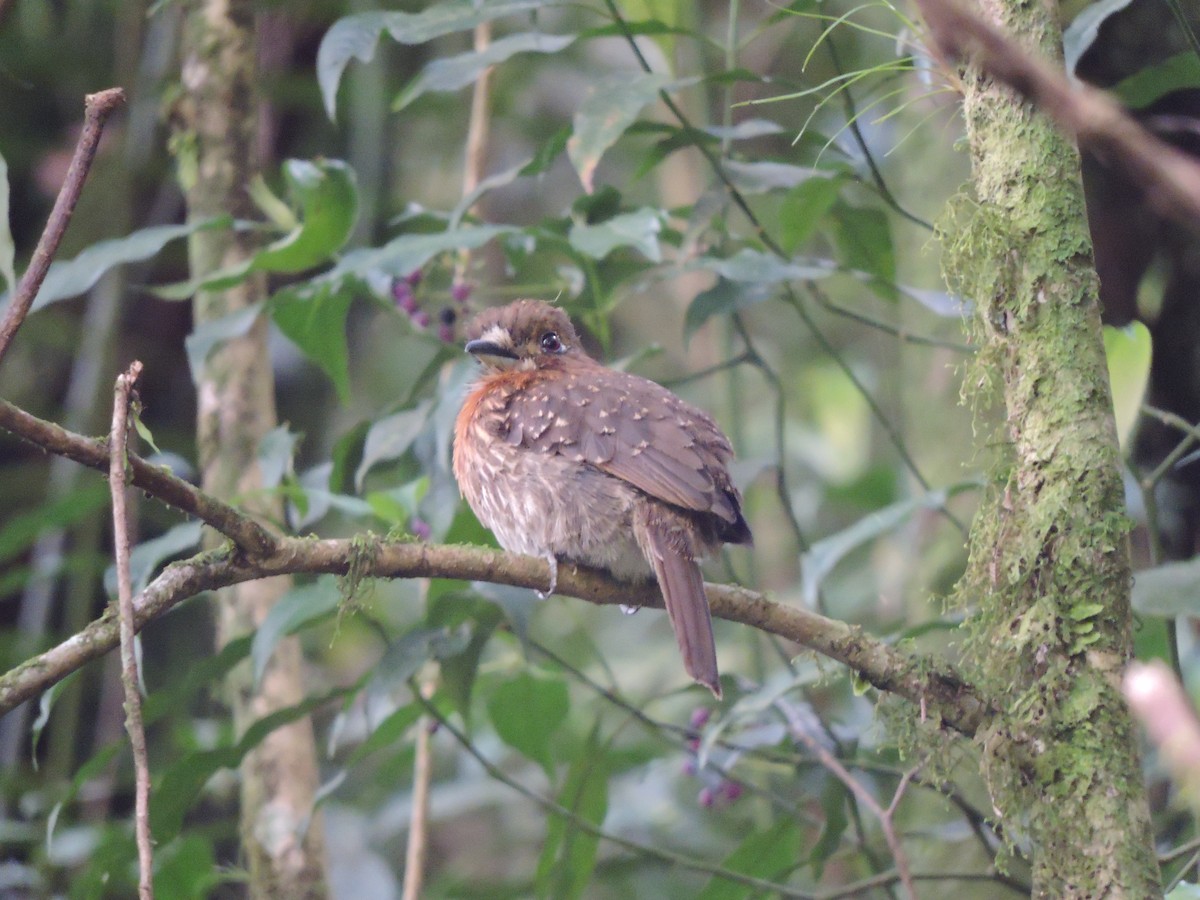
(1049, 568)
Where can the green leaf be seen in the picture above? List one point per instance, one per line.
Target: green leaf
(326, 193)
(449, 73)
(756, 267)
(864, 238)
(1144, 87)
(768, 854)
(186, 869)
(409, 252)
(387, 733)
(1128, 351)
(526, 711)
(356, 36)
(299, 607)
(8, 249)
(825, 554)
(149, 555)
(833, 805)
(315, 321)
(638, 229)
(143, 430)
(721, 299)
(405, 658)
(760, 177)
(607, 112)
(326, 197)
(182, 782)
(1169, 590)
(21, 530)
(275, 453)
(391, 437)
(569, 853)
(803, 208)
(209, 335)
(74, 277)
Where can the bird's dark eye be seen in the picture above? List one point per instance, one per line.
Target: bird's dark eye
(551, 343)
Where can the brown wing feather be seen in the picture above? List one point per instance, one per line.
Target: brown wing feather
(635, 430)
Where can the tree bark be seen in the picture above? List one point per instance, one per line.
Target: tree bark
(215, 146)
(1049, 567)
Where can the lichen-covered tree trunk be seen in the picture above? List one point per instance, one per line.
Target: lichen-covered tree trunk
(1049, 567)
(215, 145)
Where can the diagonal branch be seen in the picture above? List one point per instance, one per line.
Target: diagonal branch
(921, 680)
(1170, 178)
(97, 108)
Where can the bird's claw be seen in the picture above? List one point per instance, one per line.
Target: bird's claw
(552, 561)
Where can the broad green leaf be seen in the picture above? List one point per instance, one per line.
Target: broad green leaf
(1169, 590)
(500, 179)
(526, 710)
(297, 608)
(409, 252)
(182, 782)
(756, 267)
(200, 676)
(824, 555)
(326, 197)
(186, 869)
(638, 229)
(45, 707)
(86, 774)
(833, 805)
(1128, 351)
(449, 73)
(22, 529)
(607, 112)
(803, 209)
(768, 854)
(74, 277)
(760, 177)
(314, 319)
(146, 557)
(387, 733)
(1144, 87)
(207, 336)
(569, 853)
(458, 672)
(864, 238)
(275, 453)
(721, 299)
(406, 656)
(390, 438)
(356, 36)
(326, 194)
(8, 249)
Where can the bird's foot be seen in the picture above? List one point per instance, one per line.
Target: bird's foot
(552, 561)
(629, 610)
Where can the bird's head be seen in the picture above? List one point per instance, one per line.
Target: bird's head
(523, 335)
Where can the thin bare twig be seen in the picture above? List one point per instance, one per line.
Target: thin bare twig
(1170, 178)
(97, 108)
(418, 826)
(129, 667)
(885, 816)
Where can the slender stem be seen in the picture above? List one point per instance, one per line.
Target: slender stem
(417, 850)
(97, 108)
(129, 667)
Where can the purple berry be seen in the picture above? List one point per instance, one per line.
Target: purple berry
(446, 333)
(420, 528)
(402, 293)
(700, 717)
(732, 790)
(689, 768)
(421, 318)
(461, 291)
(414, 278)
(706, 797)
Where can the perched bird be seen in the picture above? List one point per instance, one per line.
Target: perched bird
(571, 461)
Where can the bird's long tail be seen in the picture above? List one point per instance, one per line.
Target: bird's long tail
(682, 586)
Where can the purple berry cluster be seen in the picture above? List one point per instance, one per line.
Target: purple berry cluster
(718, 789)
(404, 294)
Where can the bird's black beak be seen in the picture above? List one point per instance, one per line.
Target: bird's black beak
(489, 348)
